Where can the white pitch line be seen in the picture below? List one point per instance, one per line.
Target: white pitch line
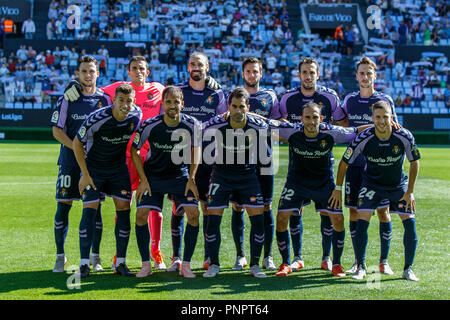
(22, 183)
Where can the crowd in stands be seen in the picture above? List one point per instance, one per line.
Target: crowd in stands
(166, 32)
(420, 22)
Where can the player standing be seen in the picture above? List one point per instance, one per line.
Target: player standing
(201, 102)
(310, 176)
(168, 135)
(358, 107)
(66, 120)
(238, 143)
(384, 183)
(263, 102)
(290, 108)
(105, 135)
(148, 98)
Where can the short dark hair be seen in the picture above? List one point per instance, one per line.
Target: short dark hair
(307, 60)
(239, 93)
(251, 60)
(366, 60)
(86, 59)
(172, 90)
(137, 58)
(311, 104)
(382, 105)
(124, 88)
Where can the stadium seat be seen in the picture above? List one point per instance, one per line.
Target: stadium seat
(37, 105)
(18, 105)
(398, 109)
(416, 110)
(432, 104)
(28, 105)
(46, 105)
(426, 110)
(9, 105)
(407, 110)
(434, 110)
(398, 84)
(443, 111)
(427, 91)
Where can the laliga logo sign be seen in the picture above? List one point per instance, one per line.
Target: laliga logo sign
(374, 20)
(73, 21)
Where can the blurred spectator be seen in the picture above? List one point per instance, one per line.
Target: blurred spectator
(407, 101)
(28, 28)
(398, 100)
(417, 94)
(439, 95)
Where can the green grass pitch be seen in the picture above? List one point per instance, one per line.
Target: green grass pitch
(27, 249)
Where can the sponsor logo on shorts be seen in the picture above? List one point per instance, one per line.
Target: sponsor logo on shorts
(190, 198)
(124, 192)
(253, 199)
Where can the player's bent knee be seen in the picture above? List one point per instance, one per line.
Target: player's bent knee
(353, 214)
(142, 216)
(91, 205)
(254, 211)
(384, 215)
(192, 216)
(282, 221)
(237, 208)
(338, 222)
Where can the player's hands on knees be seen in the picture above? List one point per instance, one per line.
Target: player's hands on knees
(72, 91)
(142, 190)
(190, 185)
(335, 199)
(408, 197)
(86, 183)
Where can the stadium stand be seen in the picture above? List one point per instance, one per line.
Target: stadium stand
(166, 32)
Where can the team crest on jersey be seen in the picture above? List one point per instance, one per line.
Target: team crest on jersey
(395, 150)
(132, 126)
(55, 117)
(320, 104)
(150, 96)
(348, 153)
(264, 102)
(63, 192)
(209, 100)
(82, 131)
(323, 144)
(99, 104)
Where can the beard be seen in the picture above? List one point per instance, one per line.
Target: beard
(311, 87)
(196, 76)
(251, 85)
